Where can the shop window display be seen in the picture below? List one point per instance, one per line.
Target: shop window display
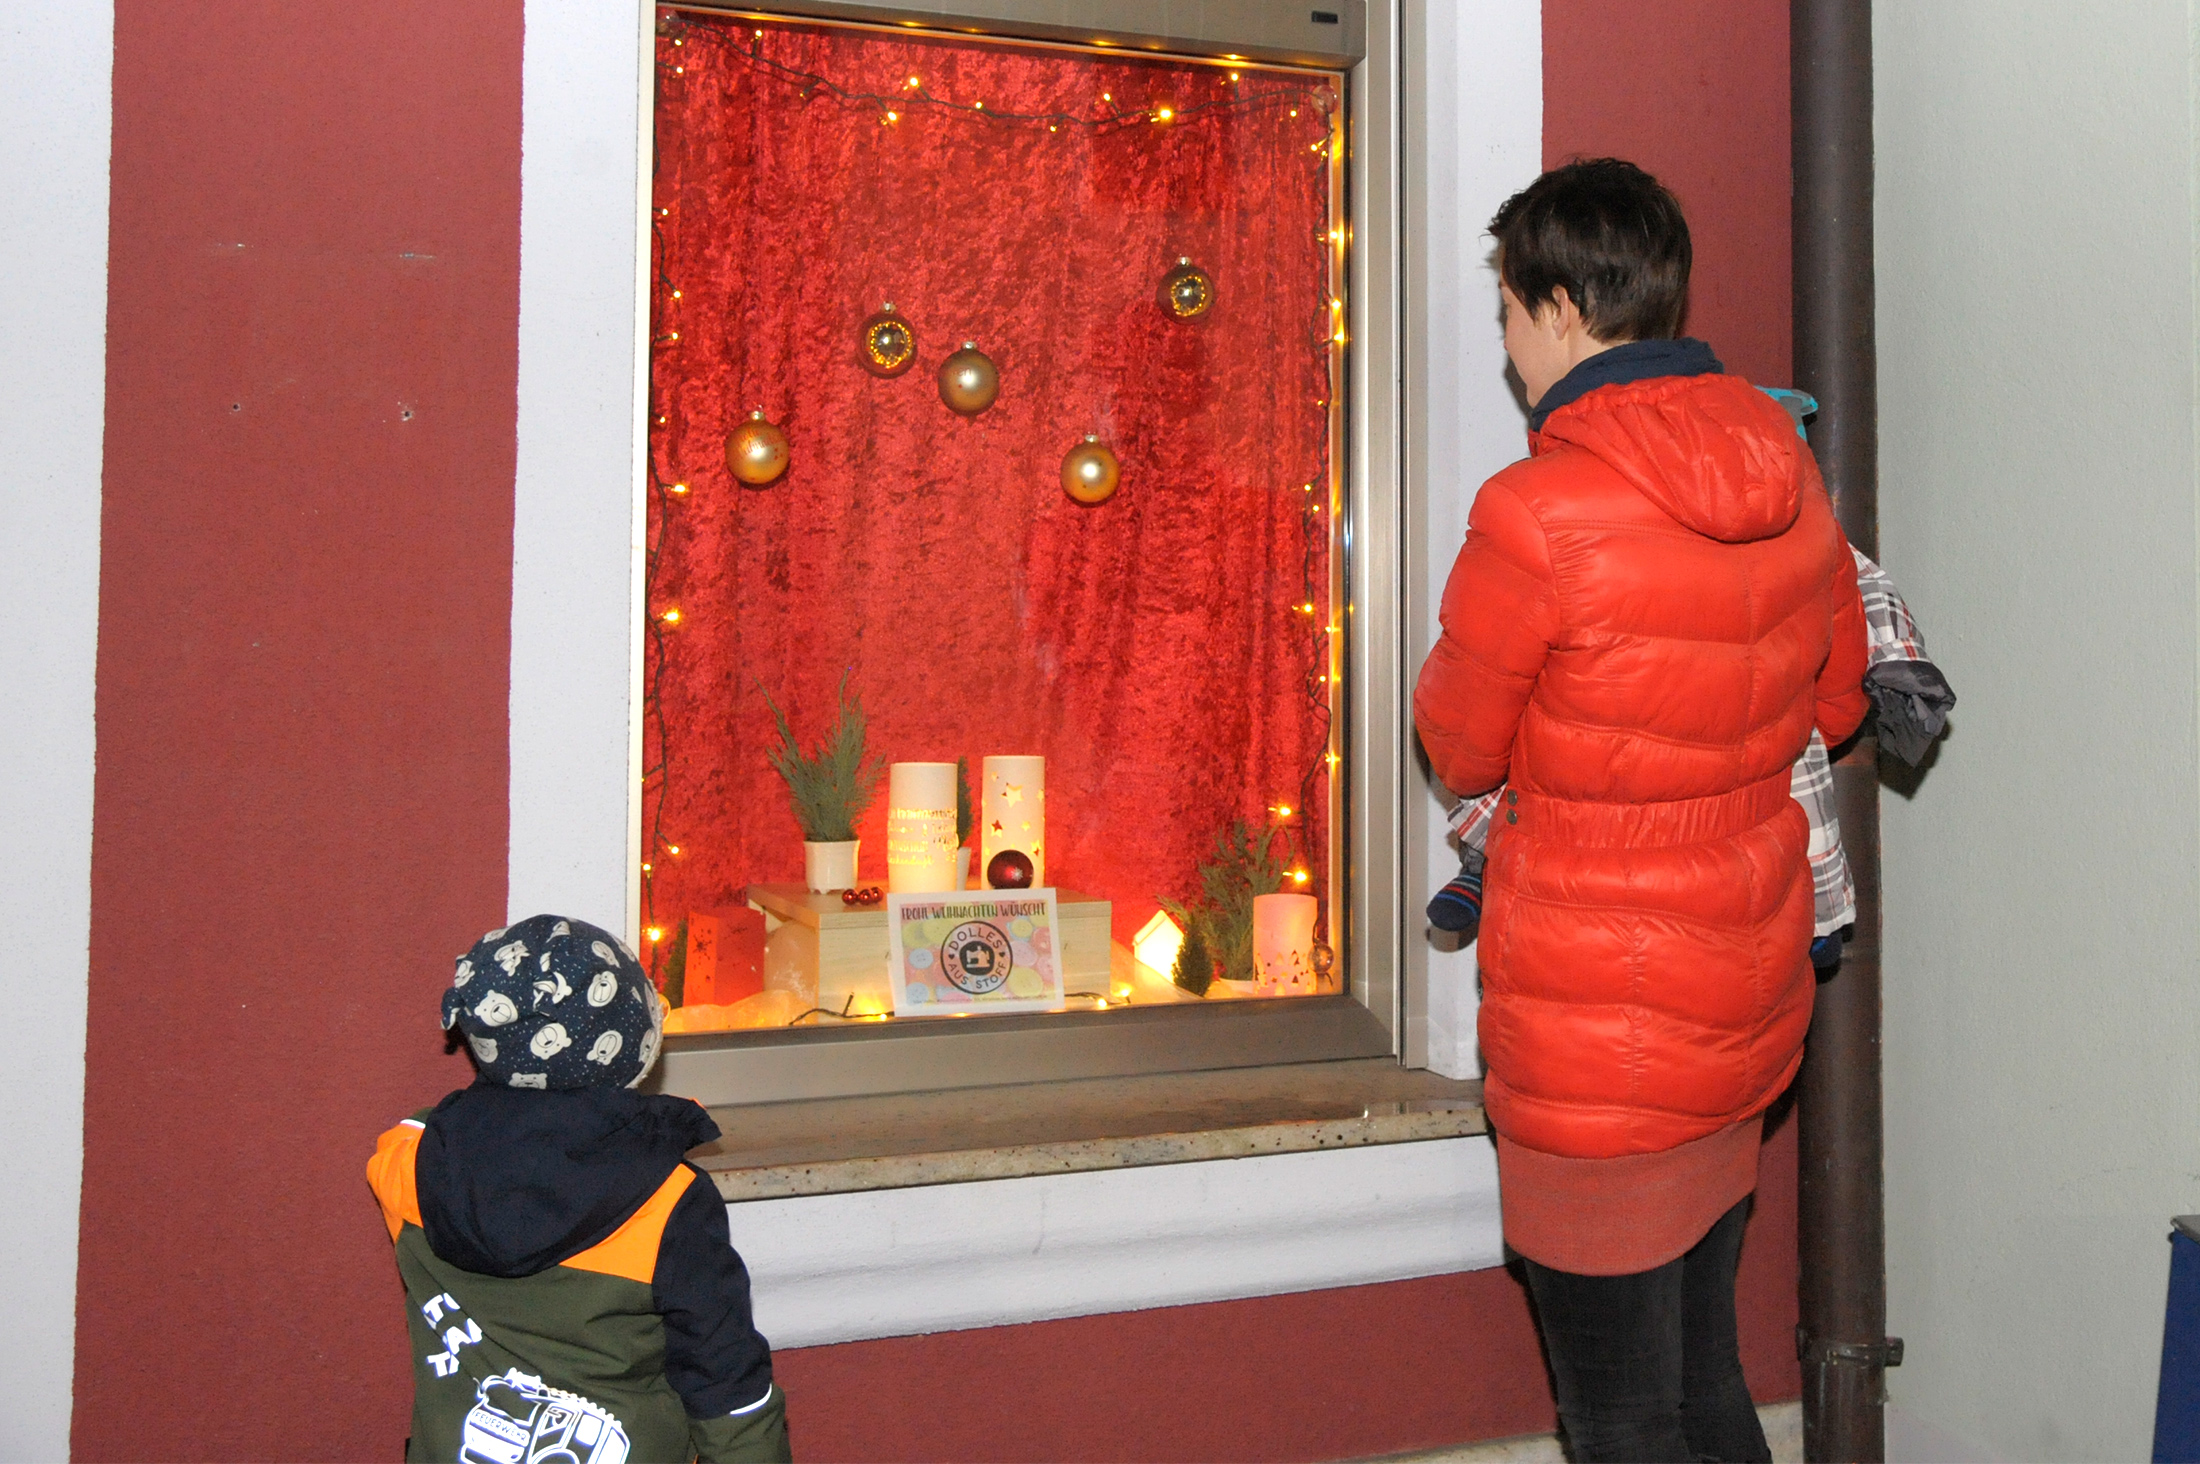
(991, 648)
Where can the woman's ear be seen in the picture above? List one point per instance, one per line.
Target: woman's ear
(1565, 316)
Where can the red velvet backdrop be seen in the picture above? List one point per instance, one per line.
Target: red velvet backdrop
(1152, 647)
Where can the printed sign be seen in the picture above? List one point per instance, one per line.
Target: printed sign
(974, 952)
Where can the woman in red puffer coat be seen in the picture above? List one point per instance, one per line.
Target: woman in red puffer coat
(1649, 616)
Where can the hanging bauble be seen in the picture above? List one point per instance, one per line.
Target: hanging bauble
(889, 343)
(1187, 290)
(1090, 472)
(968, 380)
(756, 453)
(1009, 870)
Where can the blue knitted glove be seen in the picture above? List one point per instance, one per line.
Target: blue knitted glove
(1457, 907)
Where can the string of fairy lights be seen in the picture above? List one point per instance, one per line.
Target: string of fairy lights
(913, 98)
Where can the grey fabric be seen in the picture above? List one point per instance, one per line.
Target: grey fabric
(1912, 700)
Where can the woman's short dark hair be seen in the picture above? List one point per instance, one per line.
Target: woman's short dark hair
(1608, 233)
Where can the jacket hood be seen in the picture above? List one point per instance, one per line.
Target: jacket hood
(512, 1181)
(1713, 451)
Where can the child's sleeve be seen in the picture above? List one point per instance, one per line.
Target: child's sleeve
(1471, 819)
(714, 1357)
(1910, 695)
(1500, 618)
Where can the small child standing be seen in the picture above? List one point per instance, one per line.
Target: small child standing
(1911, 700)
(573, 1292)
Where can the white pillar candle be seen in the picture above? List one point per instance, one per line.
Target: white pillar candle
(1013, 812)
(1283, 944)
(920, 827)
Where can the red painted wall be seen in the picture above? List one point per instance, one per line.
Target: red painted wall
(300, 809)
(305, 600)
(1697, 92)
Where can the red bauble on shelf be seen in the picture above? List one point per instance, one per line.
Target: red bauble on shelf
(1009, 870)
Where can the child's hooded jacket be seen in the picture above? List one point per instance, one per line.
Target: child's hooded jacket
(573, 1291)
(1648, 618)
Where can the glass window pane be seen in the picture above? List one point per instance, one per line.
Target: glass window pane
(1145, 256)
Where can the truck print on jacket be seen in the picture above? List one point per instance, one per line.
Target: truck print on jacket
(518, 1419)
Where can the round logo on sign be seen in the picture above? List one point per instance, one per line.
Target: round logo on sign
(975, 956)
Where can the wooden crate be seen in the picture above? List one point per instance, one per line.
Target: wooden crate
(834, 955)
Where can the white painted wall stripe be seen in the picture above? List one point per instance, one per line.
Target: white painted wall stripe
(1483, 73)
(56, 71)
(575, 529)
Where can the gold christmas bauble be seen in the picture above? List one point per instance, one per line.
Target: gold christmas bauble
(756, 453)
(969, 381)
(889, 343)
(1090, 472)
(1187, 290)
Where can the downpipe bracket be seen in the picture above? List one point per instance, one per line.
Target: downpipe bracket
(1825, 1352)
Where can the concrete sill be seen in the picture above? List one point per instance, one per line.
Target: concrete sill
(842, 1145)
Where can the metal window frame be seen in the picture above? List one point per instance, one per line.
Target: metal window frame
(1362, 47)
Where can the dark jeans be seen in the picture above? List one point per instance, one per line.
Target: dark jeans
(1647, 1366)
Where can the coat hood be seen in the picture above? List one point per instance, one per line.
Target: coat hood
(512, 1181)
(1712, 451)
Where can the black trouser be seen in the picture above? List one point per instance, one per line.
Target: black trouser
(1647, 1366)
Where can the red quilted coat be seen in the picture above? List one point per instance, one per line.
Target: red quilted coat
(1650, 613)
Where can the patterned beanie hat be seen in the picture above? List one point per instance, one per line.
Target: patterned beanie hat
(551, 1003)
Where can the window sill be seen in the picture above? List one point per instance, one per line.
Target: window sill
(900, 1141)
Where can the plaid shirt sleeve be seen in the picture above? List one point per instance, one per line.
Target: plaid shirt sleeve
(1890, 630)
(1471, 819)
(1833, 888)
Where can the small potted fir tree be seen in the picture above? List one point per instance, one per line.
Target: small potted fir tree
(1217, 955)
(829, 788)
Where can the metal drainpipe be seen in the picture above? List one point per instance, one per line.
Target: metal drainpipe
(1842, 1284)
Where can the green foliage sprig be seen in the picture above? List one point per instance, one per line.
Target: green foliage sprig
(832, 786)
(964, 817)
(1242, 866)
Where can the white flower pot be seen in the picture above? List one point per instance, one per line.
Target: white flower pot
(829, 867)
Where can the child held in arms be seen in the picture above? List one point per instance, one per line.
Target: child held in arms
(571, 1289)
(1651, 616)
(1911, 700)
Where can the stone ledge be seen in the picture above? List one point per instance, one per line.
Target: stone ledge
(839, 1146)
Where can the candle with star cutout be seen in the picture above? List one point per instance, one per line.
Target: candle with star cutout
(1013, 812)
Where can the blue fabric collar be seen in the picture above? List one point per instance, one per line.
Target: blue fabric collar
(1634, 361)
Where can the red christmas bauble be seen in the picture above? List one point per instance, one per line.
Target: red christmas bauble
(1009, 870)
